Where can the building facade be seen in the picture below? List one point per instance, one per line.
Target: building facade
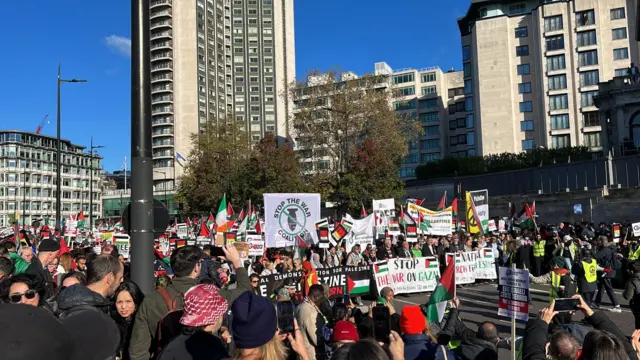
(114, 201)
(532, 69)
(429, 95)
(28, 178)
(211, 59)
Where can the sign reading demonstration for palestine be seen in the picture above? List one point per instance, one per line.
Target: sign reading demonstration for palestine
(290, 217)
(355, 280)
(406, 276)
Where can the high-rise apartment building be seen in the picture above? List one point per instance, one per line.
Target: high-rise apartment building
(429, 95)
(28, 178)
(532, 69)
(211, 59)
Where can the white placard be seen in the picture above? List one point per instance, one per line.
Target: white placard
(256, 245)
(636, 229)
(289, 217)
(121, 242)
(513, 293)
(465, 267)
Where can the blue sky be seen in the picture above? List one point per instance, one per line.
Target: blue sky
(91, 41)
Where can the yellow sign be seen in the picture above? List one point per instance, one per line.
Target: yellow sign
(472, 224)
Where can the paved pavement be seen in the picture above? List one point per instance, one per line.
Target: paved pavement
(479, 303)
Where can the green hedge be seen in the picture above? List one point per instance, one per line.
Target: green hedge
(475, 165)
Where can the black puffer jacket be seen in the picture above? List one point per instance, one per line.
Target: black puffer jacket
(79, 296)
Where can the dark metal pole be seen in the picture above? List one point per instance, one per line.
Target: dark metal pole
(91, 186)
(58, 169)
(24, 192)
(141, 219)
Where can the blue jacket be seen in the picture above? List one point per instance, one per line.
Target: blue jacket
(420, 347)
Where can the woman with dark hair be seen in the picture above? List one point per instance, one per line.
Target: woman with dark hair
(128, 298)
(25, 289)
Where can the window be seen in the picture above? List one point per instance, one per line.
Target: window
(468, 104)
(592, 139)
(621, 72)
(588, 58)
(459, 106)
(471, 138)
(557, 82)
(460, 123)
(428, 77)
(466, 53)
(430, 144)
(591, 118)
(526, 106)
(555, 42)
(410, 158)
(587, 98)
(469, 123)
(429, 90)
(528, 145)
(428, 103)
(621, 53)
(466, 68)
(453, 140)
(456, 92)
(453, 125)
(399, 79)
(526, 125)
(522, 50)
(559, 122)
(413, 145)
(553, 23)
(521, 32)
(587, 38)
(407, 172)
(407, 91)
(430, 117)
(431, 130)
(589, 78)
(517, 9)
(404, 105)
(560, 141)
(524, 69)
(555, 63)
(585, 18)
(430, 157)
(617, 13)
(462, 139)
(524, 88)
(558, 102)
(619, 33)
(468, 87)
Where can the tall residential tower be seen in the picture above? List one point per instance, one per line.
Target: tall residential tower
(211, 59)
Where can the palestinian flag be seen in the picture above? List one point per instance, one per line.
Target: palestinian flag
(443, 202)
(358, 283)
(204, 230)
(381, 267)
(524, 218)
(444, 291)
(424, 223)
(454, 213)
(322, 223)
(253, 219)
(80, 218)
(210, 221)
(231, 216)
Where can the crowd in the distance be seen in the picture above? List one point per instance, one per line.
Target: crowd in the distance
(61, 304)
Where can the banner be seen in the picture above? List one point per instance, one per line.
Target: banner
(362, 232)
(513, 293)
(465, 267)
(433, 222)
(293, 280)
(121, 241)
(353, 280)
(409, 275)
(289, 217)
(486, 265)
(383, 209)
(477, 210)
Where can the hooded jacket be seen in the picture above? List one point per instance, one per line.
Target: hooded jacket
(420, 347)
(80, 296)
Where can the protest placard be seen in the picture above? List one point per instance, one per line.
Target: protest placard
(182, 231)
(256, 245)
(290, 217)
(408, 275)
(121, 242)
(513, 293)
(485, 265)
(465, 267)
(293, 280)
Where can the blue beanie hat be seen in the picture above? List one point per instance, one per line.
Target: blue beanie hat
(254, 320)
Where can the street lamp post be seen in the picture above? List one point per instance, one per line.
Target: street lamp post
(58, 154)
(92, 147)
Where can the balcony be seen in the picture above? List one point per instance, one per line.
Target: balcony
(167, 55)
(162, 45)
(161, 88)
(163, 154)
(161, 24)
(162, 77)
(162, 67)
(159, 3)
(162, 120)
(164, 132)
(162, 110)
(157, 99)
(158, 14)
(161, 34)
(163, 143)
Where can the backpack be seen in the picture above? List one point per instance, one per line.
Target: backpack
(169, 326)
(616, 264)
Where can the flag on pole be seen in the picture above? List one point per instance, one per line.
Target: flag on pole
(180, 157)
(221, 216)
(364, 212)
(231, 216)
(401, 218)
(444, 291)
(443, 201)
(204, 230)
(210, 221)
(80, 218)
(454, 213)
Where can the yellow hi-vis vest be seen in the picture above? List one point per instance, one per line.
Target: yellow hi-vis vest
(554, 290)
(590, 271)
(453, 344)
(538, 248)
(635, 255)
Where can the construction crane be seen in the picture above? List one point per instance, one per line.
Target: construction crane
(42, 124)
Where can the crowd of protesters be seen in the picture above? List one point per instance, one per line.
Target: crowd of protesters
(79, 304)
